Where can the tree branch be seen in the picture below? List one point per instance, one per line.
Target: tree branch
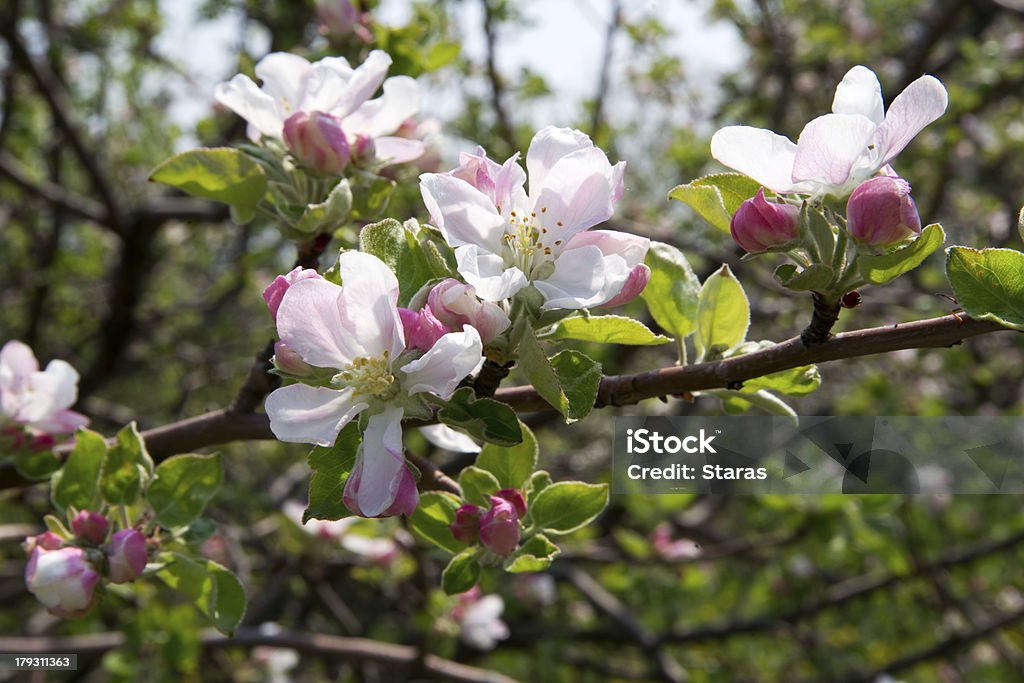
(83, 207)
(505, 127)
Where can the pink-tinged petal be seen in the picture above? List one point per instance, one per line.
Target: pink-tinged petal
(304, 414)
(377, 476)
(922, 102)
(48, 392)
(576, 194)
(634, 285)
(385, 115)
(633, 248)
(583, 277)
(487, 273)
(17, 363)
(90, 526)
(284, 77)
(369, 302)
(831, 146)
(618, 181)
(440, 369)
(859, 93)
(62, 422)
(421, 328)
(448, 439)
(462, 213)
(547, 148)
(126, 555)
(761, 154)
(456, 304)
(310, 323)
(394, 150)
(361, 83)
(242, 96)
(274, 292)
(406, 498)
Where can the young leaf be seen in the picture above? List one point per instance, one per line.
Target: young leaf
(878, 270)
(462, 572)
(214, 590)
(813, 277)
(734, 402)
(182, 487)
(223, 174)
(477, 486)
(671, 293)
(989, 284)
(512, 465)
(567, 506)
(568, 381)
(535, 555)
(78, 484)
(716, 197)
(331, 467)
(393, 244)
(483, 418)
(723, 314)
(606, 329)
(431, 519)
(328, 215)
(126, 465)
(36, 465)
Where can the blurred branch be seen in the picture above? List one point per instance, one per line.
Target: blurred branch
(338, 647)
(597, 120)
(83, 207)
(505, 127)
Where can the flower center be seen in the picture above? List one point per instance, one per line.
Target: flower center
(528, 245)
(370, 376)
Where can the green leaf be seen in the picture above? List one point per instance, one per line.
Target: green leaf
(606, 329)
(814, 277)
(431, 519)
(462, 572)
(78, 485)
(989, 284)
(878, 270)
(477, 486)
(716, 197)
(483, 418)
(535, 555)
(214, 590)
(36, 466)
(568, 505)
(370, 197)
(723, 314)
(672, 292)
(331, 467)
(793, 382)
(538, 481)
(126, 466)
(224, 174)
(568, 381)
(510, 465)
(400, 249)
(182, 487)
(734, 402)
(439, 54)
(328, 215)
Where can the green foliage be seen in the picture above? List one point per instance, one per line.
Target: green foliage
(477, 486)
(814, 277)
(331, 468)
(214, 590)
(432, 517)
(568, 381)
(723, 314)
(988, 284)
(606, 329)
(398, 247)
(511, 466)
(534, 555)
(716, 197)
(223, 174)
(566, 506)
(126, 468)
(78, 484)
(482, 418)
(329, 214)
(181, 488)
(672, 292)
(884, 268)
(462, 572)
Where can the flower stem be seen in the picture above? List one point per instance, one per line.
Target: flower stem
(490, 377)
(824, 317)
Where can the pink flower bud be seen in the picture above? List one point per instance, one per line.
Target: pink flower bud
(421, 329)
(364, 150)
(406, 499)
(338, 17)
(317, 141)
(635, 283)
(881, 212)
(61, 579)
(465, 528)
(499, 527)
(289, 362)
(126, 554)
(759, 225)
(276, 289)
(46, 540)
(514, 496)
(456, 304)
(90, 526)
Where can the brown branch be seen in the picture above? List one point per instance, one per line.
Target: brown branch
(338, 647)
(83, 207)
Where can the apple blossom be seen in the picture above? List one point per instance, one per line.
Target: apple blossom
(276, 289)
(882, 212)
(38, 400)
(479, 619)
(355, 329)
(62, 579)
(506, 240)
(126, 555)
(759, 225)
(456, 304)
(443, 436)
(499, 526)
(421, 328)
(291, 84)
(317, 140)
(90, 526)
(466, 527)
(837, 151)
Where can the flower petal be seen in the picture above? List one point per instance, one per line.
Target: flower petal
(487, 273)
(548, 146)
(440, 369)
(395, 150)
(242, 96)
(583, 277)
(761, 154)
(463, 214)
(831, 147)
(369, 304)
(633, 248)
(310, 323)
(284, 77)
(922, 102)
(360, 84)
(381, 463)
(445, 437)
(859, 93)
(17, 363)
(576, 194)
(384, 115)
(303, 414)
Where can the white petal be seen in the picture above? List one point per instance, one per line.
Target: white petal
(583, 277)
(394, 150)
(17, 363)
(448, 439)
(381, 462)
(922, 102)
(548, 146)
(369, 297)
(462, 213)
(577, 193)
(450, 359)
(50, 392)
(384, 115)
(831, 146)
(284, 77)
(859, 93)
(310, 322)
(361, 83)
(487, 273)
(262, 111)
(761, 154)
(633, 248)
(303, 414)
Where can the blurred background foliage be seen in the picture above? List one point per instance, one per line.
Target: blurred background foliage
(155, 299)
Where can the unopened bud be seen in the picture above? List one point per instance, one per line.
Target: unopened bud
(275, 291)
(465, 528)
(90, 526)
(126, 554)
(881, 212)
(499, 527)
(514, 496)
(317, 141)
(421, 328)
(289, 362)
(759, 225)
(364, 150)
(338, 17)
(61, 579)
(456, 304)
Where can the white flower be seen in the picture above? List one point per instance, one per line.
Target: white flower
(506, 239)
(837, 151)
(38, 399)
(445, 437)
(356, 330)
(481, 624)
(291, 84)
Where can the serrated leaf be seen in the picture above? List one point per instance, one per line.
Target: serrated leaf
(462, 572)
(672, 292)
(606, 329)
(716, 197)
(78, 485)
(431, 519)
(397, 247)
(477, 486)
(989, 284)
(331, 467)
(483, 418)
(566, 506)
(813, 277)
(535, 555)
(212, 588)
(510, 465)
(723, 314)
(125, 467)
(223, 174)
(883, 268)
(182, 486)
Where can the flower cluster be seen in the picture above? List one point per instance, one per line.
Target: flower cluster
(497, 528)
(63, 573)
